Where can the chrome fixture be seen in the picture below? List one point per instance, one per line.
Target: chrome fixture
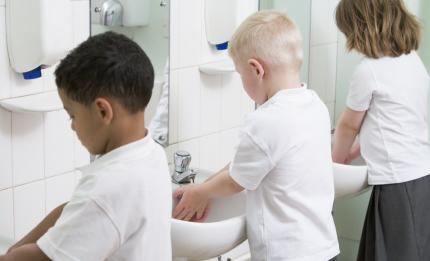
(182, 174)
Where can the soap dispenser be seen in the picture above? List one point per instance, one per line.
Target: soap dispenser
(221, 20)
(39, 33)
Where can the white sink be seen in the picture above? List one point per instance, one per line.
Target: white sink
(223, 230)
(349, 180)
(225, 227)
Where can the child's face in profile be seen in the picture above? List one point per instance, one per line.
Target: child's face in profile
(86, 124)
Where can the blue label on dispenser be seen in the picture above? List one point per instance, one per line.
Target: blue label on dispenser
(33, 74)
(222, 46)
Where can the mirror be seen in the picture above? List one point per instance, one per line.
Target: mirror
(146, 22)
(300, 12)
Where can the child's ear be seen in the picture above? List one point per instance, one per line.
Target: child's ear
(104, 110)
(257, 67)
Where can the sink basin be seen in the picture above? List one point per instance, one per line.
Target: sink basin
(5, 244)
(225, 226)
(223, 230)
(349, 180)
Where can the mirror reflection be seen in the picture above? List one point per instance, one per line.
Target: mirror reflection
(145, 22)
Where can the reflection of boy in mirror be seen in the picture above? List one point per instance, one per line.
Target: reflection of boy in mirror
(121, 208)
(283, 159)
(387, 106)
(159, 124)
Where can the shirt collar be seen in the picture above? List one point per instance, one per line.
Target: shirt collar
(288, 92)
(124, 152)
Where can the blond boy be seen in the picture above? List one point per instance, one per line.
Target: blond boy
(283, 158)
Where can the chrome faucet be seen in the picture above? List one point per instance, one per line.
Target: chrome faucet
(182, 174)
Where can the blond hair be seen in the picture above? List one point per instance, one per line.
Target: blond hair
(270, 36)
(378, 28)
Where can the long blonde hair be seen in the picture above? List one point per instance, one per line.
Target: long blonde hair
(378, 28)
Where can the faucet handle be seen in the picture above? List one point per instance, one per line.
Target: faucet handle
(182, 160)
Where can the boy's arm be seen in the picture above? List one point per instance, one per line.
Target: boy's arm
(28, 252)
(41, 229)
(195, 198)
(346, 132)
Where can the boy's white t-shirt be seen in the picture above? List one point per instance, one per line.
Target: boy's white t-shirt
(283, 160)
(120, 210)
(394, 134)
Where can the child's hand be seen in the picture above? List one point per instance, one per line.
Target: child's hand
(193, 204)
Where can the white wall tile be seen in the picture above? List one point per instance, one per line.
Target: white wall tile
(6, 217)
(81, 154)
(4, 60)
(231, 113)
(81, 21)
(5, 149)
(2, 2)
(59, 189)
(322, 71)
(59, 143)
(27, 147)
(173, 106)
(323, 27)
(210, 104)
(29, 207)
(229, 140)
(193, 147)
(210, 152)
(189, 103)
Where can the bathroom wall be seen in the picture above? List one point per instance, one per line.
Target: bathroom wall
(38, 152)
(205, 110)
(323, 52)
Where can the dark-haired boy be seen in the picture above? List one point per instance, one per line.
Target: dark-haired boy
(121, 208)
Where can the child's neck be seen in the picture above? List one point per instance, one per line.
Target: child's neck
(128, 129)
(281, 80)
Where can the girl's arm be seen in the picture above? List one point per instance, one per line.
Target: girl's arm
(346, 131)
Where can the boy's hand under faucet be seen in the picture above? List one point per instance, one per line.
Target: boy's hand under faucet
(194, 204)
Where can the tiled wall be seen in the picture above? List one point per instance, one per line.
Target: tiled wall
(38, 152)
(205, 110)
(323, 52)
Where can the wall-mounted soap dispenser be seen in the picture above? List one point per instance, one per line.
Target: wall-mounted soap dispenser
(221, 20)
(39, 34)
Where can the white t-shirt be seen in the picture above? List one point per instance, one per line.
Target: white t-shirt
(120, 210)
(283, 160)
(394, 134)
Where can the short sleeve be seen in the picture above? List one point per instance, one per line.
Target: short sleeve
(251, 163)
(83, 232)
(361, 89)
